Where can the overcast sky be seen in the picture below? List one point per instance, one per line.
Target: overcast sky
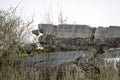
(90, 12)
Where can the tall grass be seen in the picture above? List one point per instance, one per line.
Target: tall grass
(46, 72)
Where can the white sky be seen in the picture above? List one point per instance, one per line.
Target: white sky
(90, 12)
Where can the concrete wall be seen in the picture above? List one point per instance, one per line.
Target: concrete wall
(46, 29)
(109, 32)
(67, 31)
(80, 31)
(74, 31)
(78, 37)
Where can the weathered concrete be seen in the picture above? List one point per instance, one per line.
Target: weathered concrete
(52, 44)
(35, 32)
(47, 29)
(67, 37)
(109, 32)
(81, 31)
(111, 56)
(58, 58)
(67, 30)
(74, 31)
(112, 52)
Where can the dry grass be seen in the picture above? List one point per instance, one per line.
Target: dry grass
(45, 72)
